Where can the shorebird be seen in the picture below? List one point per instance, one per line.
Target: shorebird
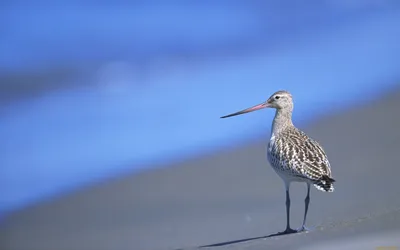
(293, 155)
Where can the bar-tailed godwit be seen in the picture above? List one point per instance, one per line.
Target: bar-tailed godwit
(292, 154)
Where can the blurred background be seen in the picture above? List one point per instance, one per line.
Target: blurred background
(92, 90)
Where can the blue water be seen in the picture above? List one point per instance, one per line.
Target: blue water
(122, 122)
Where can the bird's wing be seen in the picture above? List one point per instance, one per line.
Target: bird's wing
(303, 155)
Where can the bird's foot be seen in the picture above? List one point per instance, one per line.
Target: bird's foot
(289, 231)
(303, 229)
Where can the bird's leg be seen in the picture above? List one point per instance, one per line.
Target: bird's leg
(288, 230)
(306, 202)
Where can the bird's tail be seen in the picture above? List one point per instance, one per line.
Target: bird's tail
(325, 184)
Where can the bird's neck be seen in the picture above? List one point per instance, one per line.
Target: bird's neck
(282, 120)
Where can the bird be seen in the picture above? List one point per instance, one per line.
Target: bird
(293, 155)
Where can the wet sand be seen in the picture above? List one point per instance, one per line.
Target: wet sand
(233, 195)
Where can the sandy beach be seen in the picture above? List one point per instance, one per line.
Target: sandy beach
(233, 196)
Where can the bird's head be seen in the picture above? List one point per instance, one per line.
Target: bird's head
(280, 100)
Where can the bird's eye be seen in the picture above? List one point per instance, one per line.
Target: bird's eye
(277, 97)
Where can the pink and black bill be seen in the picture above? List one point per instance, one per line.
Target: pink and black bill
(254, 108)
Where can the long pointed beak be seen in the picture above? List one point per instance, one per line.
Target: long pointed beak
(254, 108)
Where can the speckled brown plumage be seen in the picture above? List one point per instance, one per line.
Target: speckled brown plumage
(297, 157)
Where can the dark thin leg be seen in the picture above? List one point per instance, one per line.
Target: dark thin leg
(306, 203)
(287, 210)
(288, 229)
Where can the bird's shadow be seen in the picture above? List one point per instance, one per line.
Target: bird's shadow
(246, 239)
